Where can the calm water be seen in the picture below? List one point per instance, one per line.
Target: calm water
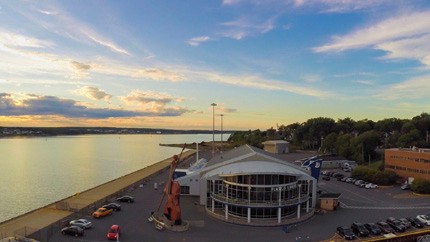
(38, 171)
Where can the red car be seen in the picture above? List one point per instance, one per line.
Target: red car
(114, 232)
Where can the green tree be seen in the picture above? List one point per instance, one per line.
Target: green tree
(364, 146)
(343, 145)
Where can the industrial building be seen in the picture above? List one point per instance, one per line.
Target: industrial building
(247, 185)
(409, 163)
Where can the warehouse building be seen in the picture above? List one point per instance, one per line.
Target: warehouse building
(247, 185)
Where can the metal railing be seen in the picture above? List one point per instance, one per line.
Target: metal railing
(260, 203)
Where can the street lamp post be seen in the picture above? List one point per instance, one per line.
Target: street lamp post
(222, 115)
(213, 128)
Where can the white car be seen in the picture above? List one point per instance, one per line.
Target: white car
(83, 223)
(371, 186)
(424, 218)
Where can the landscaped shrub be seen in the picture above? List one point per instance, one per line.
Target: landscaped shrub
(421, 186)
(363, 173)
(384, 178)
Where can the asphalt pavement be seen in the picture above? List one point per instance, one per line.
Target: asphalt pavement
(358, 205)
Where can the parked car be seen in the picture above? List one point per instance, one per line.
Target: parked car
(424, 218)
(396, 224)
(326, 178)
(362, 185)
(406, 223)
(113, 232)
(344, 179)
(73, 230)
(350, 180)
(371, 186)
(127, 198)
(113, 206)
(101, 212)
(359, 229)
(358, 182)
(82, 223)
(336, 175)
(416, 222)
(339, 178)
(386, 229)
(347, 169)
(405, 187)
(346, 232)
(373, 228)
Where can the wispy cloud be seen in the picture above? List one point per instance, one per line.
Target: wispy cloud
(311, 78)
(364, 82)
(50, 105)
(94, 93)
(151, 101)
(157, 74)
(403, 37)
(244, 27)
(196, 41)
(399, 27)
(414, 88)
(60, 22)
(341, 6)
(257, 82)
(10, 39)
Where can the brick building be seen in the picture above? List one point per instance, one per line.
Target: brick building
(406, 163)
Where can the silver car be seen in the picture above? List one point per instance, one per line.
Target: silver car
(82, 223)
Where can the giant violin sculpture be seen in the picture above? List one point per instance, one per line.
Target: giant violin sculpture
(172, 190)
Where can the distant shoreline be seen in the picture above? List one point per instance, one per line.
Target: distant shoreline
(6, 132)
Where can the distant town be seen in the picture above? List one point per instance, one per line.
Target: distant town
(52, 131)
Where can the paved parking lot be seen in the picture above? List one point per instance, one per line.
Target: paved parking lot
(358, 205)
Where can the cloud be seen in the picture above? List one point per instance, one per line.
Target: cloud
(80, 66)
(257, 82)
(341, 6)
(94, 93)
(364, 82)
(196, 41)
(411, 89)
(63, 24)
(10, 40)
(157, 74)
(395, 28)
(244, 27)
(51, 105)
(48, 12)
(80, 70)
(149, 100)
(311, 78)
(402, 37)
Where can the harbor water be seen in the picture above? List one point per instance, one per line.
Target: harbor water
(35, 172)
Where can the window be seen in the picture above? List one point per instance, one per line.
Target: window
(185, 190)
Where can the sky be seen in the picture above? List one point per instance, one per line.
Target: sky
(161, 64)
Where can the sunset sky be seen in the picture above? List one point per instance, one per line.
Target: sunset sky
(160, 64)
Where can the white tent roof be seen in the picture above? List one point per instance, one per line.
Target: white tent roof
(256, 167)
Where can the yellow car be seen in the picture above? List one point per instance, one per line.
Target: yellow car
(101, 212)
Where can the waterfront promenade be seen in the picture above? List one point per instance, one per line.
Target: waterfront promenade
(52, 213)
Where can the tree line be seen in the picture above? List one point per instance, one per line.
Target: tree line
(355, 140)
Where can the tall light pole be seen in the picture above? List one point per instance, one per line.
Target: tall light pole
(213, 128)
(222, 115)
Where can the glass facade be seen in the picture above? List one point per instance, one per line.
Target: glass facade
(262, 196)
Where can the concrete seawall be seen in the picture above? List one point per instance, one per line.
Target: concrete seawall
(60, 210)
